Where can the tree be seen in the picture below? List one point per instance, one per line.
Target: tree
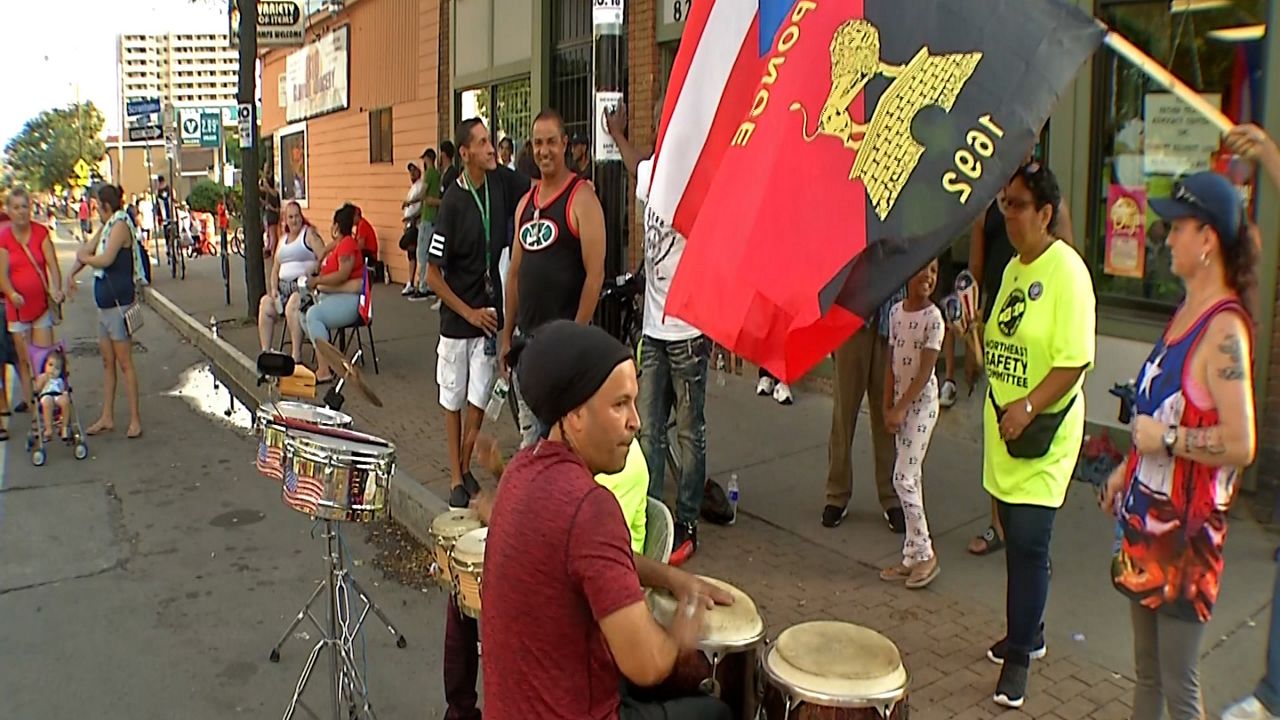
(45, 152)
(204, 196)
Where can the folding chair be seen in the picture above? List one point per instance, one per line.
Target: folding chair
(341, 337)
(659, 529)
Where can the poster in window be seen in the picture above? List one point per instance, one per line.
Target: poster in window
(293, 166)
(1126, 231)
(1177, 139)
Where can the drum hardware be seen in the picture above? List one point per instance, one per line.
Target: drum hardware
(368, 465)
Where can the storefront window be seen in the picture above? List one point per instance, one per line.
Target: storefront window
(1146, 138)
(510, 116)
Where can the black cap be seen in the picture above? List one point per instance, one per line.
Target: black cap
(1208, 197)
(579, 139)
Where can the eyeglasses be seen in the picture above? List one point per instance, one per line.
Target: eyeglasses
(1008, 205)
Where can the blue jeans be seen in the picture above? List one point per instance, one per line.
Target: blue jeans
(425, 230)
(1028, 530)
(334, 311)
(1268, 690)
(674, 374)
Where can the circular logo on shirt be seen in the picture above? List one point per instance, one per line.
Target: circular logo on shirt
(1035, 291)
(537, 235)
(1010, 315)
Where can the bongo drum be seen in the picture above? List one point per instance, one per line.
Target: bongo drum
(829, 670)
(445, 530)
(467, 563)
(731, 640)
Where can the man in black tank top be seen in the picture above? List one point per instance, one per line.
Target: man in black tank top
(557, 258)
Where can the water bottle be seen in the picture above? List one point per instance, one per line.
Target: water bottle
(497, 399)
(720, 363)
(733, 497)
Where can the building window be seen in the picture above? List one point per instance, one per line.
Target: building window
(380, 136)
(511, 116)
(1146, 138)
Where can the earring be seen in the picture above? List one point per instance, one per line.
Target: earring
(1204, 258)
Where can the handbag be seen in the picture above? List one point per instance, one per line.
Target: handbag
(55, 307)
(1037, 437)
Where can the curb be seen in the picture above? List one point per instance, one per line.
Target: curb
(412, 504)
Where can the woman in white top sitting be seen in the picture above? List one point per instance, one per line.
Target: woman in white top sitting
(294, 259)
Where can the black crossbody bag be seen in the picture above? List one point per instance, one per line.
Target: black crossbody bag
(1037, 438)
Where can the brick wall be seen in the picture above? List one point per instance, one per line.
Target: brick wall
(445, 100)
(642, 95)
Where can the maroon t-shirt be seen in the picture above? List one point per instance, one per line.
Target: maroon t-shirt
(557, 561)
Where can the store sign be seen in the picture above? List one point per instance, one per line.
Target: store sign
(281, 23)
(210, 128)
(1126, 232)
(189, 125)
(1177, 139)
(316, 77)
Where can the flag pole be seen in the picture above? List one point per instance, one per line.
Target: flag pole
(1157, 72)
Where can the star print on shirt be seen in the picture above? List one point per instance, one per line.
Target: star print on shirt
(1150, 371)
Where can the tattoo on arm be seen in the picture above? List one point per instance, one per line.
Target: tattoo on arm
(1232, 348)
(1202, 441)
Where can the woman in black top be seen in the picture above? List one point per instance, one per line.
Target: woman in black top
(270, 212)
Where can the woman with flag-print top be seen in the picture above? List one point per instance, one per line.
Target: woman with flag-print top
(1193, 433)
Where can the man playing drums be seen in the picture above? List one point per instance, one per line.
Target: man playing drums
(564, 614)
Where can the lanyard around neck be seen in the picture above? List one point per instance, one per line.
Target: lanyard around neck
(484, 211)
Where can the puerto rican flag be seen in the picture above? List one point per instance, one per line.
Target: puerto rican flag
(723, 50)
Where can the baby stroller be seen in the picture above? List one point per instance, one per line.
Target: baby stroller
(52, 389)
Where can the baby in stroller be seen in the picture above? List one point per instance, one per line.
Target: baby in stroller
(53, 403)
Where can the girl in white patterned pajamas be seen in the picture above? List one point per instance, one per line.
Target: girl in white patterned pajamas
(911, 410)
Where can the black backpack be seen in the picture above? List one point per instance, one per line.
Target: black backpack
(715, 504)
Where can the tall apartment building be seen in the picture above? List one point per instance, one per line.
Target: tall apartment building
(185, 70)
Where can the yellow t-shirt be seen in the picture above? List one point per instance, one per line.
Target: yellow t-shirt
(631, 488)
(1043, 318)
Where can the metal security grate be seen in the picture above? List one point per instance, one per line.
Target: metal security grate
(514, 112)
(571, 87)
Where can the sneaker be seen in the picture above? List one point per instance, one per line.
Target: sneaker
(897, 520)
(764, 388)
(924, 573)
(459, 497)
(997, 652)
(470, 484)
(947, 396)
(684, 545)
(418, 296)
(1249, 708)
(1011, 689)
(408, 290)
(833, 515)
(782, 393)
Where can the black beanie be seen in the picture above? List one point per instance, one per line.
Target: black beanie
(563, 365)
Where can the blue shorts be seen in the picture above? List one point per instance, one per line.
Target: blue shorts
(44, 322)
(111, 324)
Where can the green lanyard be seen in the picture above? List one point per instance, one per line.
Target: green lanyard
(484, 215)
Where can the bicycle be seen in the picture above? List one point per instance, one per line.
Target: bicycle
(177, 257)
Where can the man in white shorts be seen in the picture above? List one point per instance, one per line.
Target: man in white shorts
(463, 259)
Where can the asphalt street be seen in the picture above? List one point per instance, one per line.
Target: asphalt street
(152, 579)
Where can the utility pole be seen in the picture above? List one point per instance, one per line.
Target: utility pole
(609, 45)
(255, 280)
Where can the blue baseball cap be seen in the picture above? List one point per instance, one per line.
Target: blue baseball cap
(1208, 197)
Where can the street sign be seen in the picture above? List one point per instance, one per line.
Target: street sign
(244, 121)
(141, 134)
(142, 106)
(145, 120)
(82, 172)
(210, 128)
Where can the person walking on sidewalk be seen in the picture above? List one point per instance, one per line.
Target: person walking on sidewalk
(1193, 435)
(426, 223)
(674, 357)
(557, 256)
(1038, 349)
(463, 272)
(769, 385)
(1252, 142)
(910, 413)
(861, 369)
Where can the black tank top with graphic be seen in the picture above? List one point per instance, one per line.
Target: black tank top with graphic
(551, 270)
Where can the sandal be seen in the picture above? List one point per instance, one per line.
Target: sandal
(991, 542)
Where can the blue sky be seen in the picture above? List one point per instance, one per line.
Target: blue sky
(53, 48)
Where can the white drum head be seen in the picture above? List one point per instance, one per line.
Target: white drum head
(346, 447)
(725, 626)
(455, 523)
(312, 413)
(470, 547)
(837, 661)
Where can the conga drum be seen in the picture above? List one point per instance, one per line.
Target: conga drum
(731, 640)
(445, 530)
(466, 565)
(829, 670)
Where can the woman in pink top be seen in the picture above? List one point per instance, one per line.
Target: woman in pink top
(29, 273)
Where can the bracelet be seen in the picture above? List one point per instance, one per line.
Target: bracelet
(1029, 407)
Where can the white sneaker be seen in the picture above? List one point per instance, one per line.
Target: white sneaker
(764, 388)
(1248, 709)
(782, 393)
(408, 289)
(947, 396)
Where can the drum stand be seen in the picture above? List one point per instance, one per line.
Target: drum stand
(347, 686)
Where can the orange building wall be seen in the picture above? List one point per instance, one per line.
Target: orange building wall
(394, 62)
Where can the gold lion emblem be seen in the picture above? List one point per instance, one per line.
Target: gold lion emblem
(891, 153)
(1126, 217)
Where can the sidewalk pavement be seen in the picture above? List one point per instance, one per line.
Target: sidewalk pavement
(797, 570)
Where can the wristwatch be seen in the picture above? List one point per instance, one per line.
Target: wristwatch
(1170, 439)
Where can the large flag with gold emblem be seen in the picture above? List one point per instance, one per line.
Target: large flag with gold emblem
(817, 153)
